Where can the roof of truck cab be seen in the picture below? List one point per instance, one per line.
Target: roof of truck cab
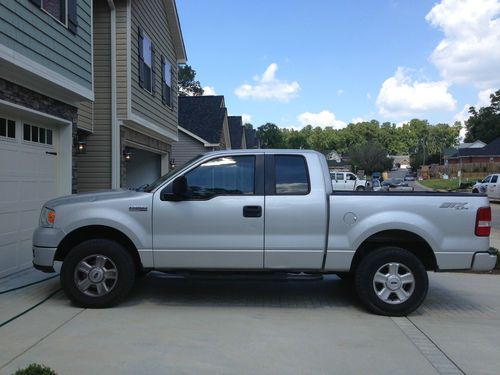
(262, 150)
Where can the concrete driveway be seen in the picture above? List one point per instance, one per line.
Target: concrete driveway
(253, 326)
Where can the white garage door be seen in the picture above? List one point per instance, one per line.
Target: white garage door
(28, 178)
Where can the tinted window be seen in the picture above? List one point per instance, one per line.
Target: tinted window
(291, 174)
(222, 176)
(351, 177)
(487, 179)
(494, 179)
(340, 176)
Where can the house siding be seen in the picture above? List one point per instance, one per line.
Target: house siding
(34, 34)
(94, 167)
(151, 16)
(186, 148)
(122, 58)
(85, 115)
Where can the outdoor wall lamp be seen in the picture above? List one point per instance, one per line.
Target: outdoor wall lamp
(127, 154)
(172, 163)
(81, 147)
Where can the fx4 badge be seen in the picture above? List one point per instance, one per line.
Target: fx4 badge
(455, 205)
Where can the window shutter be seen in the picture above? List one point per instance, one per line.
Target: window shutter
(141, 58)
(38, 3)
(171, 88)
(72, 16)
(153, 69)
(163, 98)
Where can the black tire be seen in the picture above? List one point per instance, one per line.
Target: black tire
(367, 288)
(475, 191)
(116, 257)
(360, 188)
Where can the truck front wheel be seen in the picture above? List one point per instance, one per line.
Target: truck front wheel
(97, 273)
(391, 281)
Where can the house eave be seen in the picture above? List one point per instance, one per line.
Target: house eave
(175, 28)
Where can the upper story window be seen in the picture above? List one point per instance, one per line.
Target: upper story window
(291, 174)
(146, 62)
(166, 82)
(222, 176)
(65, 11)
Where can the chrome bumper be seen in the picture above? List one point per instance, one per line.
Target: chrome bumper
(484, 261)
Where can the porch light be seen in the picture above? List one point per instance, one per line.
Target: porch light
(172, 163)
(127, 154)
(81, 147)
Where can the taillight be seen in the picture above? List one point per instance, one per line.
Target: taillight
(483, 222)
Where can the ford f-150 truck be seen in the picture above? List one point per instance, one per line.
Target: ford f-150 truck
(266, 211)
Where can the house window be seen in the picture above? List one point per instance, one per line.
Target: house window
(166, 82)
(56, 8)
(65, 11)
(146, 62)
(37, 134)
(7, 128)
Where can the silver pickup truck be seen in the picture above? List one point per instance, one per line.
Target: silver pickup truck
(266, 211)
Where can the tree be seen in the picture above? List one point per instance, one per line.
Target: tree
(370, 157)
(186, 81)
(270, 136)
(484, 124)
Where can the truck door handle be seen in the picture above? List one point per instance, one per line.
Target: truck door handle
(252, 211)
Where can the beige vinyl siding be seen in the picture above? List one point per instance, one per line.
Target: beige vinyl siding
(85, 116)
(94, 167)
(186, 148)
(122, 58)
(152, 18)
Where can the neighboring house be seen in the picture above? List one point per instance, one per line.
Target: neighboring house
(400, 161)
(131, 126)
(236, 130)
(335, 162)
(45, 71)
(203, 126)
(250, 139)
(475, 155)
(450, 151)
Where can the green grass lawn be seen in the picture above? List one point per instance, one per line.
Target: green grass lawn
(444, 184)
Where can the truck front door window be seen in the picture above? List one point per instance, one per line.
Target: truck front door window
(222, 176)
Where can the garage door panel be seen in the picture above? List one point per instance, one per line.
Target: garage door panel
(28, 178)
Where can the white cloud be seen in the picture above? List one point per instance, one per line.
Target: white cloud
(269, 87)
(357, 120)
(246, 118)
(470, 50)
(368, 95)
(322, 119)
(400, 96)
(209, 90)
(402, 123)
(340, 92)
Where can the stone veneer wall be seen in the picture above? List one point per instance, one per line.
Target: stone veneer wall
(22, 96)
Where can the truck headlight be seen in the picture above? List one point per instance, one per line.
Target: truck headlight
(47, 217)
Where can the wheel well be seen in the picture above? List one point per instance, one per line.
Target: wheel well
(400, 238)
(97, 231)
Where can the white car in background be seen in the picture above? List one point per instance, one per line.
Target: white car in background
(490, 186)
(347, 181)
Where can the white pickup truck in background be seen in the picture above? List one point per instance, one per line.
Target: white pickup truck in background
(347, 181)
(262, 211)
(489, 186)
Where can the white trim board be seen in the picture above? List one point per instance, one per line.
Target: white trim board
(205, 143)
(49, 82)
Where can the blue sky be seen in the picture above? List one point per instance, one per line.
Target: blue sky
(329, 63)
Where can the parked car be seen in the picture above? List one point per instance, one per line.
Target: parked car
(374, 185)
(490, 186)
(395, 184)
(347, 181)
(377, 176)
(266, 211)
(410, 176)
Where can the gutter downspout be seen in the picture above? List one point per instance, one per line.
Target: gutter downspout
(115, 127)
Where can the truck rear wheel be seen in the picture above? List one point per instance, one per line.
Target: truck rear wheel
(97, 273)
(391, 281)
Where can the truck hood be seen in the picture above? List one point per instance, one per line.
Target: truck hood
(94, 197)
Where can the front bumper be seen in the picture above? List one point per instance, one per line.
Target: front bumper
(43, 258)
(484, 261)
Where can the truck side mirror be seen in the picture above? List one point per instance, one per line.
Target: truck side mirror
(176, 191)
(179, 186)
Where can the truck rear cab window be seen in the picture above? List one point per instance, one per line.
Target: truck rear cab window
(228, 175)
(291, 175)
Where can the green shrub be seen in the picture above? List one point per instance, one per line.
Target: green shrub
(35, 369)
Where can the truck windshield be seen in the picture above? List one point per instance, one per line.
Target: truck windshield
(149, 188)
